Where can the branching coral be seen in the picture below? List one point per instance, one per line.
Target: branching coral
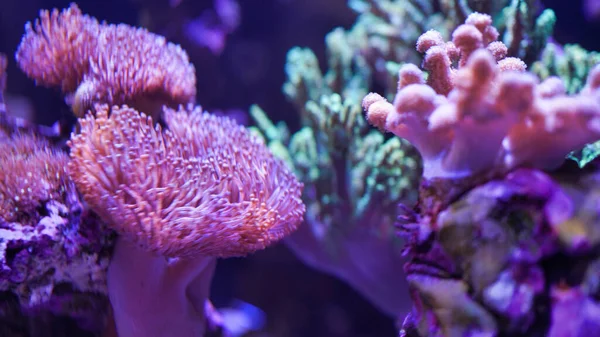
(572, 64)
(386, 30)
(447, 119)
(96, 62)
(180, 197)
(353, 176)
(512, 256)
(524, 27)
(495, 246)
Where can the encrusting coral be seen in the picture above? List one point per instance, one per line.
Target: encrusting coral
(96, 62)
(496, 247)
(44, 241)
(515, 256)
(203, 188)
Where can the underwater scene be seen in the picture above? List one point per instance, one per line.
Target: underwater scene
(299, 168)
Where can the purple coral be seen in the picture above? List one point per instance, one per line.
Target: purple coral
(498, 260)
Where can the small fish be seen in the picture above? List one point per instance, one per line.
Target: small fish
(242, 317)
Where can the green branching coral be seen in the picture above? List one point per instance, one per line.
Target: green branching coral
(387, 30)
(342, 162)
(570, 62)
(331, 148)
(390, 28)
(524, 28)
(353, 177)
(586, 155)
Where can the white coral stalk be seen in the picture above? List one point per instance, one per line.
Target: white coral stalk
(155, 296)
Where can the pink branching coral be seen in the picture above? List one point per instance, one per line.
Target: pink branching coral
(180, 197)
(487, 114)
(96, 62)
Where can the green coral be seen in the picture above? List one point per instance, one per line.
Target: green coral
(353, 177)
(572, 64)
(349, 170)
(346, 167)
(387, 30)
(523, 30)
(586, 155)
